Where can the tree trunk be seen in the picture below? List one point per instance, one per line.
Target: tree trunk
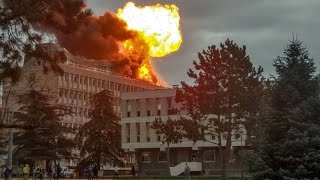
(228, 140)
(222, 154)
(168, 159)
(222, 159)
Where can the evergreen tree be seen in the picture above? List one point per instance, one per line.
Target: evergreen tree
(19, 38)
(171, 133)
(99, 140)
(288, 142)
(217, 102)
(46, 140)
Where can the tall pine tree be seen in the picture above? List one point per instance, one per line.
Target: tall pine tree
(99, 140)
(46, 137)
(288, 142)
(224, 78)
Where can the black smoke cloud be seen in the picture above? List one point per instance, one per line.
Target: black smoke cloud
(82, 33)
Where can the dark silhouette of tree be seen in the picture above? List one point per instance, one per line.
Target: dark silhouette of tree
(47, 140)
(19, 39)
(99, 140)
(288, 142)
(170, 131)
(224, 78)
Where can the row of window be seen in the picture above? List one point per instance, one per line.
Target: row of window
(137, 104)
(138, 132)
(75, 111)
(208, 156)
(70, 78)
(81, 96)
(137, 127)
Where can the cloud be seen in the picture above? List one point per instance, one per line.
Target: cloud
(264, 26)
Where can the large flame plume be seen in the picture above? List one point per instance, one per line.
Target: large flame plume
(128, 38)
(158, 26)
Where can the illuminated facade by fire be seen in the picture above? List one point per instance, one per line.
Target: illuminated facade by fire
(139, 110)
(81, 79)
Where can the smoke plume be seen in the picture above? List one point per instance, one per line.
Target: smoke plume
(94, 37)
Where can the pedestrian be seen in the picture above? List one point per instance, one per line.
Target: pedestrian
(116, 172)
(35, 172)
(133, 171)
(50, 170)
(41, 173)
(89, 173)
(58, 171)
(187, 172)
(7, 173)
(26, 171)
(95, 172)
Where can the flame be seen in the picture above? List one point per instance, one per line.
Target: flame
(158, 26)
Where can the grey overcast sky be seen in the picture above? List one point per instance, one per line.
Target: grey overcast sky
(264, 26)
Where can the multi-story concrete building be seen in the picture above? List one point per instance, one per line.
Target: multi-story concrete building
(81, 79)
(139, 111)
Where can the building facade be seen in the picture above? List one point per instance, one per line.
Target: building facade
(139, 110)
(81, 79)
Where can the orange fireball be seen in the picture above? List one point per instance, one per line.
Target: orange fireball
(158, 26)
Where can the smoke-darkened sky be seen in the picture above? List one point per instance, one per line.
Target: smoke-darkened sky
(264, 26)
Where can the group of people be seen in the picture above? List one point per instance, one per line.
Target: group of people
(37, 172)
(92, 172)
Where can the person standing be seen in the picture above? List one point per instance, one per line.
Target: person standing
(58, 171)
(95, 172)
(26, 172)
(133, 171)
(187, 172)
(50, 170)
(116, 172)
(89, 173)
(7, 173)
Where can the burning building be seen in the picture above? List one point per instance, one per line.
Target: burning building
(81, 79)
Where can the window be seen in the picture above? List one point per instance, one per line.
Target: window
(146, 157)
(159, 138)
(90, 81)
(128, 131)
(66, 77)
(158, 100)
(237, 136)
(194, 156)
(138, 107)
(162, 156)
(148, 131)
(213, 137)
(224, 136)
(128, 108)
(103, 84)
(148, 106)
(208, 155)
(81, 79)
(66, 93)
(169, 101)
(111, 86)
(138, 131)
(94, 82)
(61, 93)
(99, 82)
(75, 77)
(85, 80)
(32, 77)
